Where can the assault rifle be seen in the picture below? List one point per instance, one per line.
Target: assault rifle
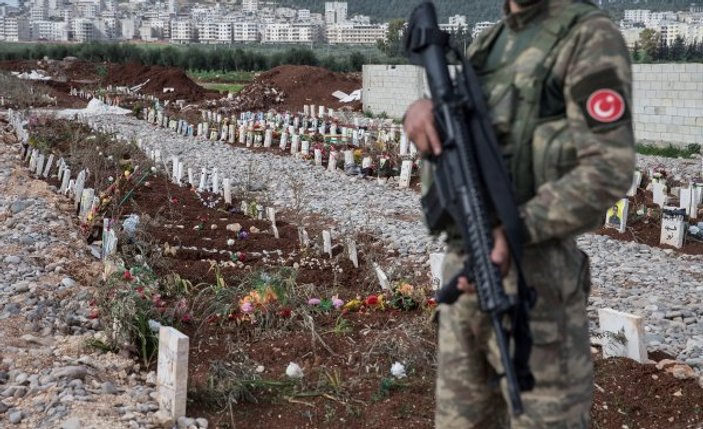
(470, 181)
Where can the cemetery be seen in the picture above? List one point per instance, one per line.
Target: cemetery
(191, 260)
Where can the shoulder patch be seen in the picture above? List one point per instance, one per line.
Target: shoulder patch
(602, 99)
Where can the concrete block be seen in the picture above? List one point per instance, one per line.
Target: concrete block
(172, 372)
(623, 335)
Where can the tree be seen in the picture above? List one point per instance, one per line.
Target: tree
(649, 40)
(678, 50)
(356, 61)
(393, 45)
(636, 53)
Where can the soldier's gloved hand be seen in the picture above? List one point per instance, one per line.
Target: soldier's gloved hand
(420, 127)
(500, 256)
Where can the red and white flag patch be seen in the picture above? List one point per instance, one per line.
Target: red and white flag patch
(605, 105)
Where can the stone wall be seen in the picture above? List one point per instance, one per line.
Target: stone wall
(668, 98)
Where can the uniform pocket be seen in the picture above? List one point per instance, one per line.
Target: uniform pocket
(553, 151)
(501, 102)
(547, 358)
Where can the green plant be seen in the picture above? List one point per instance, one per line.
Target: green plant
(669, 151)
(386, 387)
(341, 326)
(101, 70)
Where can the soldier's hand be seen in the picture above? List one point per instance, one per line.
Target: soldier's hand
(500, 256)
(420, 127)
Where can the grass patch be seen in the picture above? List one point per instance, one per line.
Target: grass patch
(223, 87)
(669, 151)
(220, 76)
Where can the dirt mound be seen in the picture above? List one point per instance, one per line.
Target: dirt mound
(157, 78)
(308, 85)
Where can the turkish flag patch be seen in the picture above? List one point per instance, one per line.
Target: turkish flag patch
(601, 98)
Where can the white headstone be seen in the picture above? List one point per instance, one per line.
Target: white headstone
(436, 266)
(232, 133)
(305, 147)
(659, 194)
(405, 173)
(382, 277)
(215, 181)
(172, 372)
(227, 191)
(348, 158)
(673, 227)
(636, 181)
(318, 157)
(284, 141)
(332, 162)
(109, 239)
(203, 180)
(352, 252)
(65, 180)
(623, 335)
(268, 138)
(327, 242)
(39, 167)
(49, 164)
(78, 188)
(295, 141)
(403, 144)
(86, 203)
(191, 181)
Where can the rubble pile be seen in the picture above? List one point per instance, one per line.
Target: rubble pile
(155, 80)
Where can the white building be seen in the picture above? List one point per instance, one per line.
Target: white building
(335, 12)
(245, 32)
(250, 6)
(353, 34)
(214, 32)
(2, 27)
(39, 11)
(289, 33)
(631, 36)
(50, 30)
(304, 15)
(83, 30)
(638, 15)
(128, 28)
(182, 31)
(107, 28)
(456, 23)
(17, 29)
(480, 27)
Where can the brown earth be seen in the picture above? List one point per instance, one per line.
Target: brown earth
(309, 85)
(158, 78)
(347, 382)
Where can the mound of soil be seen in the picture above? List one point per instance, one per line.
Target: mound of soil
(309, 85)
(158, 78)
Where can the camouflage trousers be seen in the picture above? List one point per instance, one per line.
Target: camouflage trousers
(469, 394)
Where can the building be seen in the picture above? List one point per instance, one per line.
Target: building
(215, 32)
(245, 32)
(335, 12)
(128, 28)
(353, 34)
(250, 6)
(182, 31)
(455, 24)
(17, 29)
(289, 33)
(39, 11)
(638, 15)
(480, 27)
(304, 15)
(108, 28)
(668, 32)
(83, 30)
(50, 30)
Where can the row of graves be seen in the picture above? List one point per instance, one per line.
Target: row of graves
(213, 189)
(676, 207)
(383, 152)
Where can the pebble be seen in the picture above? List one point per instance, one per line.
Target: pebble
(73, 423)
(16, 417)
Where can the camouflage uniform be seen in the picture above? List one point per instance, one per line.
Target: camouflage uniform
(557, 79)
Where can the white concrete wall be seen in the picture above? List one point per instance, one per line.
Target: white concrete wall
(668, 103)
(668, 98)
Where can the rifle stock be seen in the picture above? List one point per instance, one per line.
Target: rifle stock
(469, 182)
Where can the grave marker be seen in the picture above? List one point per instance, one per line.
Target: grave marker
(348, 158)
(352, 252)
(86, 203)
(227, 191)
(49, 164)
(203, 179)
(318, 157)
(382, 277)
(659, 194)
(40, 165)
(332, 162)
(78, 189)
(268, 138)
(327, 243)
(284, 141)
(295, 141)
(436, 267)
(405, 174)
(65, 180)
(191, 181)
(215, 181)
(616, 217)
(172, 372)
(623, 335)
(636, 181)
(673, 229)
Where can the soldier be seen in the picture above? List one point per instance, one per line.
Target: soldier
(556, 76)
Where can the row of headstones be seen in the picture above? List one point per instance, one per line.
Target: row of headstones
(298, 146)
(172, 372)
(114, 100)
(673, 220)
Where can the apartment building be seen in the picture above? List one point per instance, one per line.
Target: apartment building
(250, 6)
(335, 12)
(83, 30)
(17, 29)
(50, 30)
(182, 31)
(215, 32)
(355, 34)
(638, 15)
(245, 32)
(289, 33)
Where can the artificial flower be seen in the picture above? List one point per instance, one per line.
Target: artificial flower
(314, 301)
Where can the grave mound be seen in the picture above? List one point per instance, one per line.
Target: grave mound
(309, 85)
(157, 78)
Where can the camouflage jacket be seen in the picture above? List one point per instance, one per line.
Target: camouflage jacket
(558, 82)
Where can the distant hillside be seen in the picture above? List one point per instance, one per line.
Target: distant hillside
(475, 10)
